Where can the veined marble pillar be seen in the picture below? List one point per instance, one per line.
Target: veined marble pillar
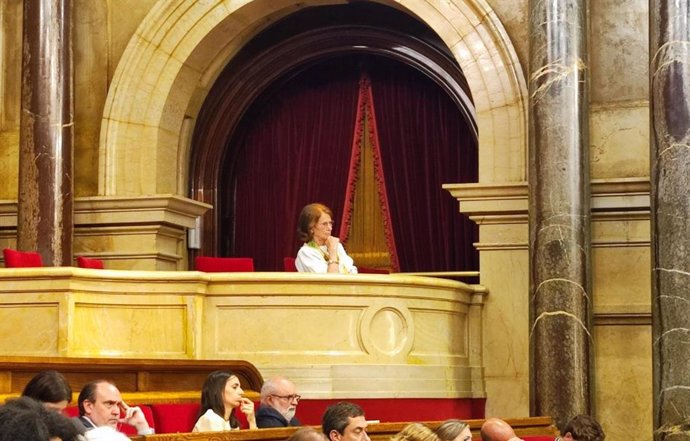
(669, 52)
(45, 203)
(559, 214)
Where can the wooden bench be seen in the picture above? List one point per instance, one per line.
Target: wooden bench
(168, 391)
(534, 426)
(140, 380)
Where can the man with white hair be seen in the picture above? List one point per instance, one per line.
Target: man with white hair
(278, 404)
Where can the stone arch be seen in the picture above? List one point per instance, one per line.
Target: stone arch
(173, 59)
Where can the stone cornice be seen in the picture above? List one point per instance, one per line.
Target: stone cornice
(498, 203)
(107, 210)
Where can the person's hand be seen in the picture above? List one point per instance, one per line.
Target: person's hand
(134, 416)
(332, 245)
(247, 408)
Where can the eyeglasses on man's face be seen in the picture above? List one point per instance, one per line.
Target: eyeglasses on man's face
(290, 398)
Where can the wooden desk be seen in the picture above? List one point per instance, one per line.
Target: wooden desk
(377, 432)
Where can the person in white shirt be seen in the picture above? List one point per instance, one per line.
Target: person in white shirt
(321, 252)
(220, 395)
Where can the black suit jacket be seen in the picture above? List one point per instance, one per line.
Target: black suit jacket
(269, 417)
(84, 422)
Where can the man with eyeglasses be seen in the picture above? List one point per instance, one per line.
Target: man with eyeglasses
(278, 404)
(100, 404)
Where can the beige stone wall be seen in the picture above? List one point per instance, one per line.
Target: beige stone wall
(144, 66)
(619, 139)
(366, 336)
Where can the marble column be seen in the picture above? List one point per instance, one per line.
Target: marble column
(45, 203)
(669, 29)
(559, 214)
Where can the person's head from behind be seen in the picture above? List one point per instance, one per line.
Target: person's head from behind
(280, 394)
(101, 402)
(51, 388)
(222, 393)
(454, 430)
(307, 434)
(495, 429)
(25, 419)
(315, 223)
(415, 432)
(583, 428)
(344, 421)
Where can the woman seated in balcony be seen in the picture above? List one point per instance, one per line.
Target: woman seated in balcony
(221, 394)
(321, 252)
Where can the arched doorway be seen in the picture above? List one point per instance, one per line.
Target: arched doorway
(298, 46)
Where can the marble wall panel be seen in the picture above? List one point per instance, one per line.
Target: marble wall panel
(240, 332)
(619, 140)
(92, 59)
(123, 329)
(9, 163)
(618, 48)
(513, 16)
(10, 95)
(440, 334)
(623, 375)
(412, 381)
(506, 331)
(30, 328)
(621, 279)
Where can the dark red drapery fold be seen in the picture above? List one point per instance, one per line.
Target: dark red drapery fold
(295, 151)
(424, 144)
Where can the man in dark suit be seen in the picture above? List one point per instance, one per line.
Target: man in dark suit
(278, 404)
(100, 404)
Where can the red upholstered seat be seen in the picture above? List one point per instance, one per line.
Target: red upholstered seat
(85, 262)
(224, 264)
(174, 418)
(21, 259)
(289, 264)
(181, 417)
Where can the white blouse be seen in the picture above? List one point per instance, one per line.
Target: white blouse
(313, 260)
(212, 422)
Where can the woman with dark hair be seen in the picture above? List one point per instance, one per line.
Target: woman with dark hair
(50, 388)
(220, 395)
(321, 252)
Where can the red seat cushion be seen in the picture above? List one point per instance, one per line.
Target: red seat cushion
(174, 418)
(85, 262)
(224, 264)
(181, 417)
(289, 264)
(21, 259)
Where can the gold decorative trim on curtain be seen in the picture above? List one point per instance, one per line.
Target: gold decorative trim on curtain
(366, 222)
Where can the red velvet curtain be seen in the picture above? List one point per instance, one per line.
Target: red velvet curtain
(295, 149)
(424, 143)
